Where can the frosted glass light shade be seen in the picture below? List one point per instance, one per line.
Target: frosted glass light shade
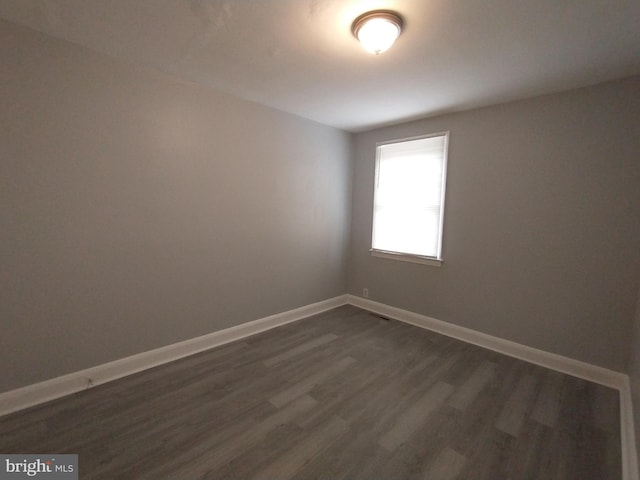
(377, 30)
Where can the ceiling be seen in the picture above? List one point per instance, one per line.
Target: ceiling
(299, 55)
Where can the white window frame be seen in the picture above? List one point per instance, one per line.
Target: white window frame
(403, 256)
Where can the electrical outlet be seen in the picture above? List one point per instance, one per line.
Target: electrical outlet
(365, 292)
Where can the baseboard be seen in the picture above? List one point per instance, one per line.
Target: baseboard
(583, 370)
(628, 434)
(41, 392)
(553, 361)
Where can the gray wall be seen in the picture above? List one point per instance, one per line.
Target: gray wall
(542, 231)
(137, 210)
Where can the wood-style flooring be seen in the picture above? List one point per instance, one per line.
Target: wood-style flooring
(342, 395)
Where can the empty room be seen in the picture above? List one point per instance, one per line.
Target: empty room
(318, 239)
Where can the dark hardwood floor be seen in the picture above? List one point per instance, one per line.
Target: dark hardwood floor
(343, 395)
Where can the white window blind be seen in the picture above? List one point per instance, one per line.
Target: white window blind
(409, 196)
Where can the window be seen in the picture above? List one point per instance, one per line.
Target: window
(409, 199)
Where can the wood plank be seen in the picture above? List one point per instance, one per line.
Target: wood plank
(547, 407)
(287, 465)
(340, 395)
(300, 349)
(472, 387)
(446, 466)
(208, 456)
(513, 414)
(307, 384)
(416, 416)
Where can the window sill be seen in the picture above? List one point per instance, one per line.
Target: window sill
(406, 257)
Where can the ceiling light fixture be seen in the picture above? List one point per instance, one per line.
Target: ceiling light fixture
(377, 30)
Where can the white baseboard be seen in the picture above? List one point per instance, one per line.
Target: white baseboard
(628, 434)
(553, 361)
(35, 394)
(584, 370)
(41, 392)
